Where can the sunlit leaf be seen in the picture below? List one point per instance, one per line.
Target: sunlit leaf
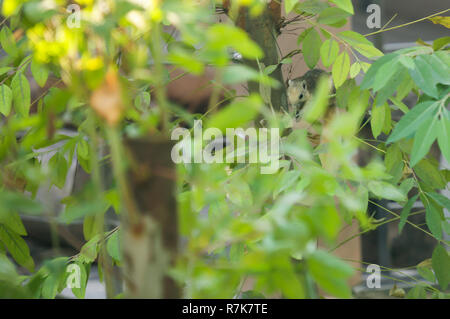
(341, 67)
(329, 52)
(5, 99)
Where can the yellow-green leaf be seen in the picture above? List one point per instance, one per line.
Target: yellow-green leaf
(340, 70)
(5, 99)
(328, 52)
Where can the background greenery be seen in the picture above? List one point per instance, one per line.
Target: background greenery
(263, 227)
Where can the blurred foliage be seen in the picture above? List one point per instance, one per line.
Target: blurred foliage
(257, 226)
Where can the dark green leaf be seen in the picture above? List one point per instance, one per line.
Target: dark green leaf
(330, 273)
(17, 247)
(311, 48)
(113, 246)
(440, 199)
(332, 15)
(444, 137)
(405, 212)
(441, 265)
(424, 137)
(21, 94)
(411, 121)
(433, 219)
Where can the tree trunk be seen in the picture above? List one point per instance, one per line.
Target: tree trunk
(151, 236)
(263, 30)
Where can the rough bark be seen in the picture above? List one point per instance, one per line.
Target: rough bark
(263, 29)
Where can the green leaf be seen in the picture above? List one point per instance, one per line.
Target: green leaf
(371, 74)
(330, 273)
(433, 219)
(405, 212)
(222, 36)
(289, 5)
(426, 273)
(440, 199)
(11, 7)
(377, 119)
(12, 221)
(417, 292)
(329, 52)
(84, 276)
(443, 134)
(429, 173)
(82, 209)
(5, 99)
(385, 73)
(317, 105)
(238, 74)
(311, 6)
(401, 106)
(412, 120)
(355, 69)
(269, 69)
(7, 269)
(17, 247)
(311, 48)
(21, 94)
(390, 87)
(236, 114)
(393, 160)
(360, 43)
(90, 227)
(60, 168)
(340, 70)
(5, 69)
(326, 220)
(286, 180)
(424, 137)
(83, 149)
(344, 5)
(407, 184)
(440, 43)
(11, 201)
(387, 119)
(252, 294)
(89, 251)
(386, 190)
(7, 41)
(40, 73)
(113, 246)
(142, 100)
(332, 15)
(302, 35)
(439, 68)
(55, 280)
(441, 265)
(423, 77)
(186, 60)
